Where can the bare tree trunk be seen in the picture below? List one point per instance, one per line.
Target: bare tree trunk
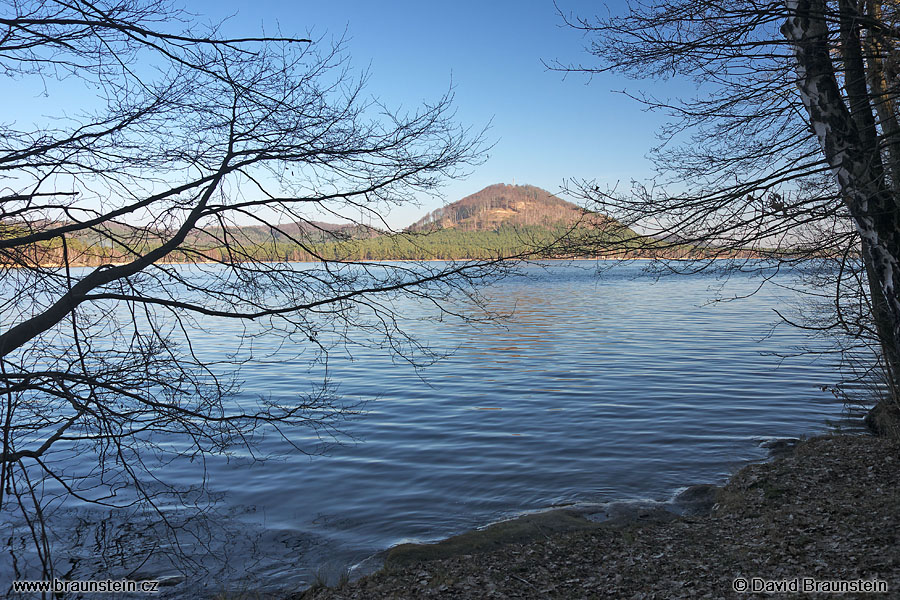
(876, 47)
(856, 90)
(861, 111)
(855, 167)
(887, 118)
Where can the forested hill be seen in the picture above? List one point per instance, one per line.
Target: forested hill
(501, 205)
(500, 220)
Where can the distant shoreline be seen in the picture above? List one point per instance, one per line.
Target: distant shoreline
(403, 260)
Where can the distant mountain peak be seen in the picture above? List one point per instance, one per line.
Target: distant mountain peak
(501, 204)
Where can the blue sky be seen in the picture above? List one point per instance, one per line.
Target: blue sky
(546, 128)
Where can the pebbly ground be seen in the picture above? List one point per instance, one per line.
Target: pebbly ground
(829, 511)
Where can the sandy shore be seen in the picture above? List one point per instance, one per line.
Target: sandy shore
(827, 513)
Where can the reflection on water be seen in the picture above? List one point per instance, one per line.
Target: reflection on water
(617, 388)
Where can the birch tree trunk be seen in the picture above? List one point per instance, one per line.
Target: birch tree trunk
(856, 165)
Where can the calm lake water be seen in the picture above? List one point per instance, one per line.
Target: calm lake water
(617, 387)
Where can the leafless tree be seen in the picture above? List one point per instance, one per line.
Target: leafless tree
(125, 229)
(787, 148)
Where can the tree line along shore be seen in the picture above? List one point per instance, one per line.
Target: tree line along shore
(441, 244)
